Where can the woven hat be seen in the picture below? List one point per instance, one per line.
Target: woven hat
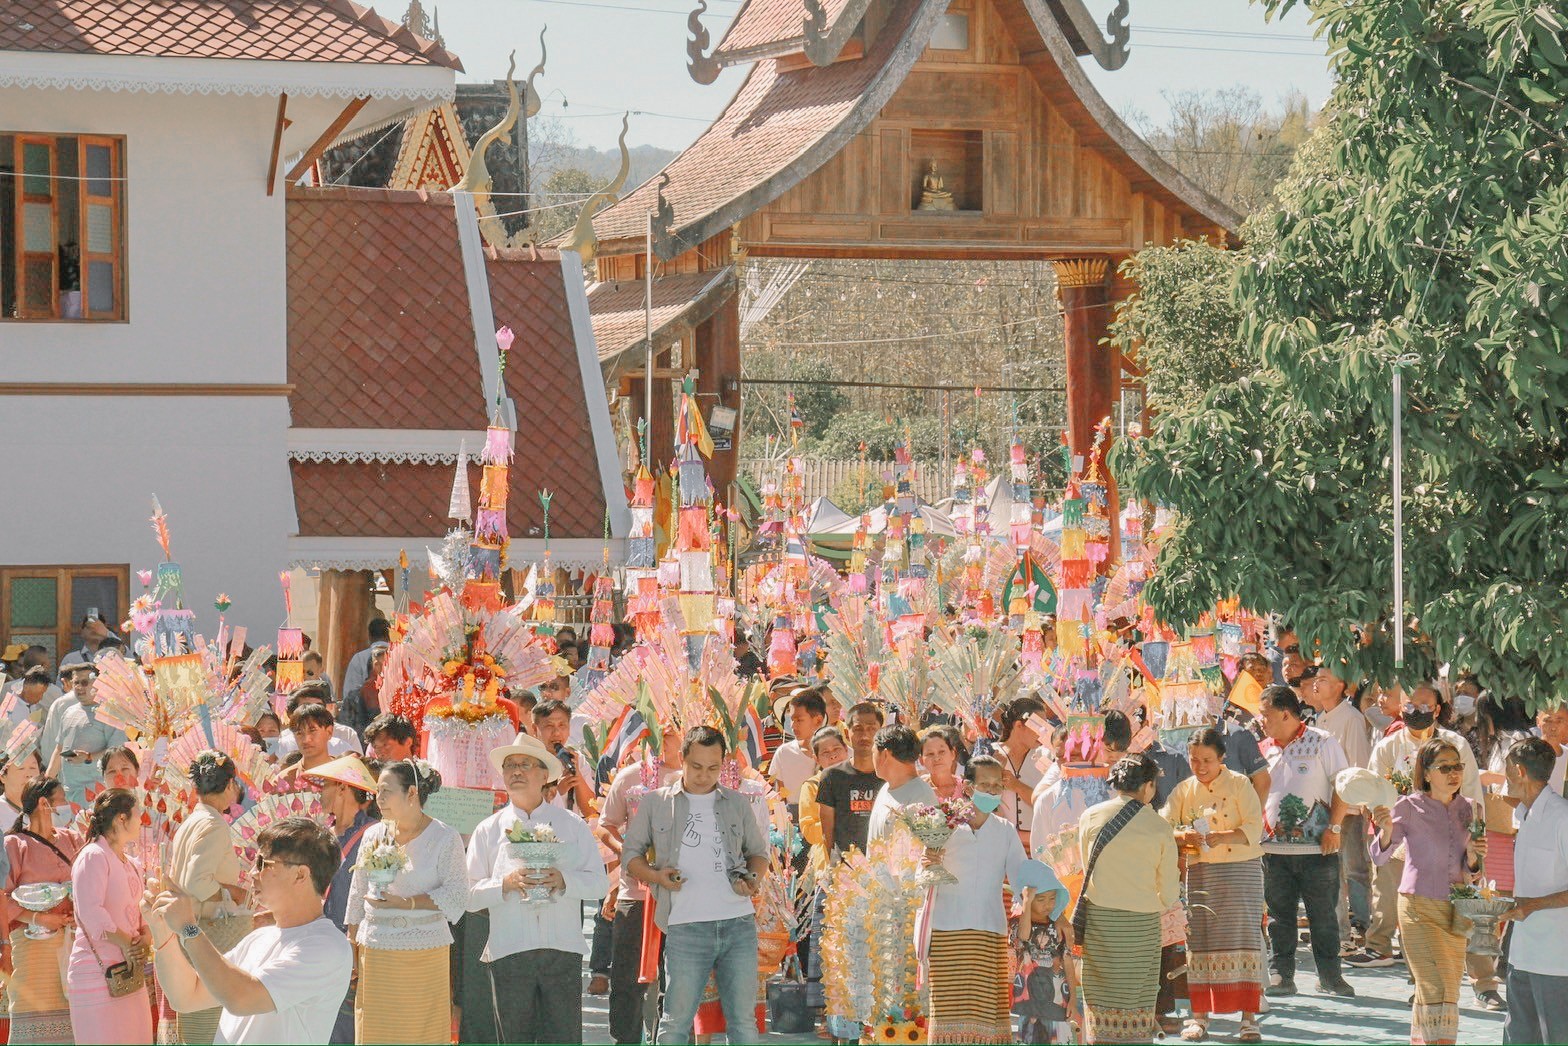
(531, 746)
(346, 769)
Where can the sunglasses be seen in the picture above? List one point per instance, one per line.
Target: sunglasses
(1448, 768)
(263, 861)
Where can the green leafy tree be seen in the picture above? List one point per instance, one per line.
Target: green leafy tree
(1425, 225)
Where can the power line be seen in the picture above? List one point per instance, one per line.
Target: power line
(1029, 389)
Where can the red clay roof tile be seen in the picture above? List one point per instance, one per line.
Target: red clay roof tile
(271, 30)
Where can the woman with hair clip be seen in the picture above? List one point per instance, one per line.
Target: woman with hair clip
(106, 886)
(403, 936)
(1434, 822)
(41, 850)
(1117, 920)
(203, 863)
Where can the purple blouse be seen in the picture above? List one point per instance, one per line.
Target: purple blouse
(1434, 836)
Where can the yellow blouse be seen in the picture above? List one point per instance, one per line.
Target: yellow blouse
(1229, 803)
(1122, 878)
(811, 821)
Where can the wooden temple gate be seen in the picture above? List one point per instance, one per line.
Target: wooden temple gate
(894, 129)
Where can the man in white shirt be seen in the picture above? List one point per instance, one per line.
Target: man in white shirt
(30, 701)
(1422, 710)
(283, 983)
(1340, 719)
(897, 763)
(1537, 958)
(683, 840)
(342, 740)
(1553, 726)
(535, 951)
(807, 712)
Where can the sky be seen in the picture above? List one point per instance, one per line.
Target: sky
(606, 56)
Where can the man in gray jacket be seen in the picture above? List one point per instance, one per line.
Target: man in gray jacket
(700, 849)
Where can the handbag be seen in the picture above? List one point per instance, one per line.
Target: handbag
(788, 1013)
(1112, 828)
(124, 978)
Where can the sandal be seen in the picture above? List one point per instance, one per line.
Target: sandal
(1194, 1030)
(1250, 1032)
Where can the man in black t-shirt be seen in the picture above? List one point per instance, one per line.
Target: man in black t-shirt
(847, 791)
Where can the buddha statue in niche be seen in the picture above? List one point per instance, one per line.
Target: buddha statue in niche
(933, 193)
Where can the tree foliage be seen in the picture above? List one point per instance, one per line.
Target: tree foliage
(1425, 226)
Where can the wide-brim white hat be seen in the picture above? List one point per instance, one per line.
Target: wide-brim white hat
(529, 745)
(1358, 786)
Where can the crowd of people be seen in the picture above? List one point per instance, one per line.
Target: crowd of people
(1142, 891)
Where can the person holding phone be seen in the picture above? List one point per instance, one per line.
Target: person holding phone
(703, 887)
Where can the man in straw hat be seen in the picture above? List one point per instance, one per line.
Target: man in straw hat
(535, 951)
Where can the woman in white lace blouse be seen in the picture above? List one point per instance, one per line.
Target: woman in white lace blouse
(404, 934)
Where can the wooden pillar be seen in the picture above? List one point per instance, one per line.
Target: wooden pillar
(661, 427)
(1093, 370)
(718, 383)
(343, 604)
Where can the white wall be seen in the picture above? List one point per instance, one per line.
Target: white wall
(206, 304)
(93, 463)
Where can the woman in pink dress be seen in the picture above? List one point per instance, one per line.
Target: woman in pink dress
(106, 886)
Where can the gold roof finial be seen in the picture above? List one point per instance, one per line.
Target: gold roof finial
(582, 240)
(477, 178)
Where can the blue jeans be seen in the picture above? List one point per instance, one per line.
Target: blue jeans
(727, 948)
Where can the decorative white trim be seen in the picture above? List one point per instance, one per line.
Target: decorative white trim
(370, 446)
(147, 73)
(593, 391)
(477, 277)
(319, 553)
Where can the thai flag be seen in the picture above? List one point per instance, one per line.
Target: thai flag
(756, 751)
(627, 732)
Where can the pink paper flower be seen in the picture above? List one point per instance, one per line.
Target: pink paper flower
(145, 577)
(504, 338)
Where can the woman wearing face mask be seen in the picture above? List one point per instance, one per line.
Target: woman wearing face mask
(967, 964)
(270, 728)
(1226, 966)
(107, 885)
(1433, 823)
(40, 849)
(203, 863)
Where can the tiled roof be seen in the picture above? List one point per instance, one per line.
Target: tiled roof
(770, 125)
(268, 30)
(770, 25)
(381, 337)
(684, 300)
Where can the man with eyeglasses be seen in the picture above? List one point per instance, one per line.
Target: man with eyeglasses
(535, 949)
(283, 983)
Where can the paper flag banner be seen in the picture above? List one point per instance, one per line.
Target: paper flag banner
(1246, 693)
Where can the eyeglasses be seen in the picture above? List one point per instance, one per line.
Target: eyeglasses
(521, 766)
(263, 861)
(1448, 768)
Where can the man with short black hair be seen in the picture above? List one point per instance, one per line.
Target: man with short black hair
(553, 725)
(1301, 838)
(284, 982)
(392, 738)
(74, 737)
(94, 632)
(1537, 958)
(898, 765)
(849, 790)
(806, 711)
(682, 841)
(29, 703)
(343, 740)
(358, 668)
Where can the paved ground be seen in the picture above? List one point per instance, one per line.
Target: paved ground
(1379, 1014)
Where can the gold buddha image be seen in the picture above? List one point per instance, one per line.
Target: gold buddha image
(933, 194)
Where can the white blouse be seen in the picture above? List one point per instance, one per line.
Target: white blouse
(981, 860)
(436, 867)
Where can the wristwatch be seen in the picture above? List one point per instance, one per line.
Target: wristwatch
(189, 932)
(1334, 828)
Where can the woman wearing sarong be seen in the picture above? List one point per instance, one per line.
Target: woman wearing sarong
(967, 960)
(404, 936)
(1433, 822)
(39, 853)
(204, 863)
(106, 887)
(1218, 823)
(1129, 857)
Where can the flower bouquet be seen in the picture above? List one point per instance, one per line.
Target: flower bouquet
(932, 826)
(381, 862)
(535, 846)
(1401, 781)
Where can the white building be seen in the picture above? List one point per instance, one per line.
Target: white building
(145, 297)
